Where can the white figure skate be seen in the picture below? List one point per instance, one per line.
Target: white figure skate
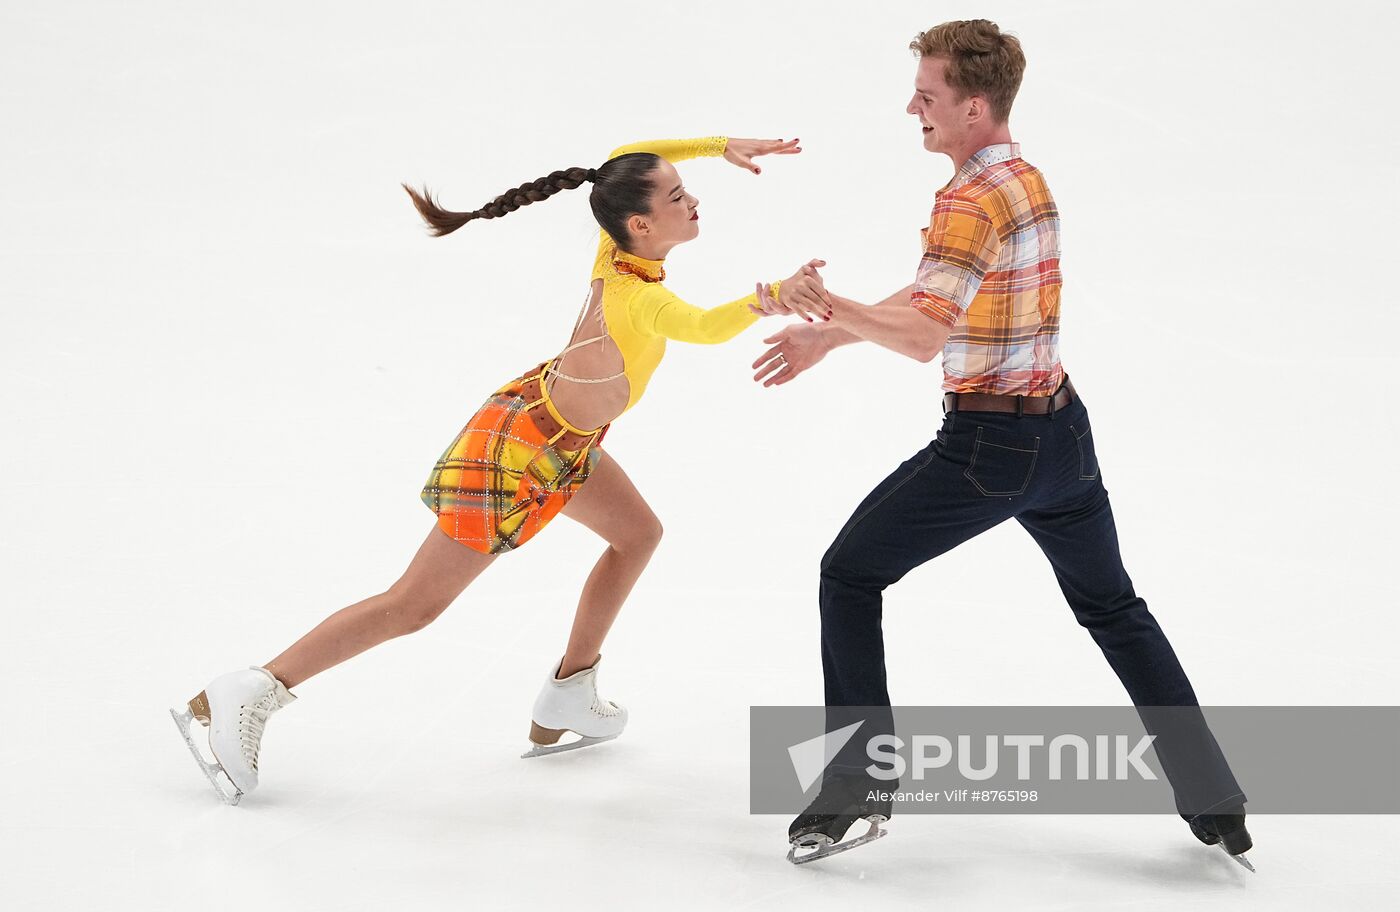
(234, 707)
(572, 705)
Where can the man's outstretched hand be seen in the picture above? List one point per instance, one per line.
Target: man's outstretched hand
(795, 348)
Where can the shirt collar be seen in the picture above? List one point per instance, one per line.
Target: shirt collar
(981, 160)
(646, 270)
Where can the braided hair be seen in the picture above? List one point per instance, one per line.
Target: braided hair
(622, 187)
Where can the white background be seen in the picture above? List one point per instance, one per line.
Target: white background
(230, 356)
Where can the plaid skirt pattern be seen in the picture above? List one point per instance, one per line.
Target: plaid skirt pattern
(501, 480)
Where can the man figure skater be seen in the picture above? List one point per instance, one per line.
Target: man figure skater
(1015, 442)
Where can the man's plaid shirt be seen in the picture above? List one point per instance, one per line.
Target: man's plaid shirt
(991, 271)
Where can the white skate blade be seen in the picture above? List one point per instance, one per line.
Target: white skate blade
(212, 771)
(1240, 858)
(543, 750)
(827, 848)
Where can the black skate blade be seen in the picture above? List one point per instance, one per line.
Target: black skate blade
(827, 848)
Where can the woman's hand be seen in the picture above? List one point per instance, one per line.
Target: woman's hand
(768, 305)
(742, 151)
(804, 293)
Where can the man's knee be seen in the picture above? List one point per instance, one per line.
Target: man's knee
(844, 570)
(831, 565)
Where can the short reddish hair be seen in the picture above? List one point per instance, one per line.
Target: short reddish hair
(981, 60)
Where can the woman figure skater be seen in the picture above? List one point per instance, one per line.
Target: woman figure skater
(526, 454)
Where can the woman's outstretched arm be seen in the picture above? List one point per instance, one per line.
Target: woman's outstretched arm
(676, 150)
(740, 152)
(656, 310)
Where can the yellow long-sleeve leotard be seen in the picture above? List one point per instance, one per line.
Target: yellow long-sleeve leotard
(640, 312)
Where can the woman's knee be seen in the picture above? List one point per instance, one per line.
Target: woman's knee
(406, 612)
(642, 536)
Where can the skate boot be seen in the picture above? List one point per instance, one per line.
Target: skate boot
(1226, 830)
(842, 801)
(234, 707)
(572, 705)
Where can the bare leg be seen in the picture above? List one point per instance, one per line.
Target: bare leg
(611, 506)
(438, 573)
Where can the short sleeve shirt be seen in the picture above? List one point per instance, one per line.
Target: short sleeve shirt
(990, 270)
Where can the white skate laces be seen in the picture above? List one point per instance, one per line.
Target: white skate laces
(572, 705)
(235, 708)
(253, 716)
(588, 678)
(603, 709)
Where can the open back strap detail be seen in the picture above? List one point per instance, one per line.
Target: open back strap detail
(551, 369)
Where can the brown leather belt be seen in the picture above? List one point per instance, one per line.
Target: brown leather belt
(1020, 405)
(543, 420)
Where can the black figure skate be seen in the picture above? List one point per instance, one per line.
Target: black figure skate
(842, 802)
(1226, 830)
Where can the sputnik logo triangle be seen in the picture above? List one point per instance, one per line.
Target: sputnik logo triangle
(810, 757)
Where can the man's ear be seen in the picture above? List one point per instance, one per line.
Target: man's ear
(977, 109)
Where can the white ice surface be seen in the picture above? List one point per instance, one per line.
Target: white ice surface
(229, 357)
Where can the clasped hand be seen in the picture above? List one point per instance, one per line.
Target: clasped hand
(803, 293)
(795, 347)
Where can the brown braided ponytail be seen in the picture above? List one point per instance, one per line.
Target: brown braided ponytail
(622, 187)
(444, 221)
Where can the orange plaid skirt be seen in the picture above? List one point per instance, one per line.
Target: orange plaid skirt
(501, 479)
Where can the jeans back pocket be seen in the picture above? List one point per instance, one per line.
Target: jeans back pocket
(1002, 463)
(1088, 459)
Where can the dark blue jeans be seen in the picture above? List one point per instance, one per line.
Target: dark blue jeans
(982, 469)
